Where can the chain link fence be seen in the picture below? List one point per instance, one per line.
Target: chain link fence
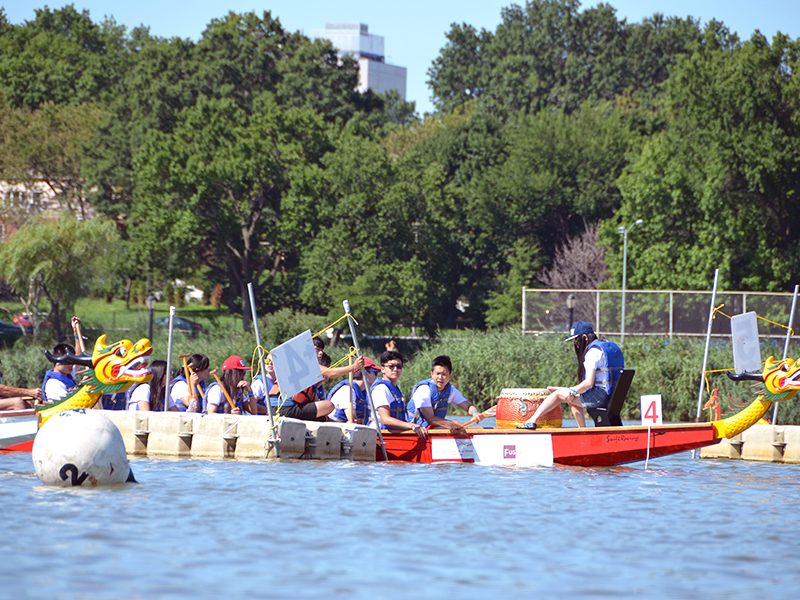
(653, 312)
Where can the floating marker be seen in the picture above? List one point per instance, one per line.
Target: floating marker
(80, 448)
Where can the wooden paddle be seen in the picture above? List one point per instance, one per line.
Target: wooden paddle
(194, 405)
(474, 420)
(224, 391)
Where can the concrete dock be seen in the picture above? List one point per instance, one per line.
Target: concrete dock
(766, 443)
(194, 435)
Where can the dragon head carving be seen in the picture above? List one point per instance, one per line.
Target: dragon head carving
(121, 362)
(781, 378)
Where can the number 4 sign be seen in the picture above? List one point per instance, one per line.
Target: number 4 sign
(651, 409)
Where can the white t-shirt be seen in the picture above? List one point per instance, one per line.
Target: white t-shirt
(422, 396)
(140, 394)
(382, 396)
(341, 399)
(180, 389)
(595, 359)
(54, 390)
(215, 396)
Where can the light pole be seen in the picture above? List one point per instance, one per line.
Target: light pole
(570, 306)
(151, 304)
(624, 233)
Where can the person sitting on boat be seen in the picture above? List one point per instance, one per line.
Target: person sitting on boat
(387, 397)
(325, 365)
(430, 398)
(59, 381)
(237, 388)
(179, 396)
(14, 398)
(149, 396)
(266, 387)
(344, 396)
(594, 375)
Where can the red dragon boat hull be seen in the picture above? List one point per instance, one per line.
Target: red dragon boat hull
(584, 447)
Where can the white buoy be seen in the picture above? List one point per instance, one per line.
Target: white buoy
(80, 447)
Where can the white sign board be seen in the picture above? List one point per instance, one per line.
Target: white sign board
(651, 409)
(746, 351)
(296, 364)
(521, 450)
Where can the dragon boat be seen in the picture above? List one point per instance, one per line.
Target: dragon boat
(590, 446)
(112, 368)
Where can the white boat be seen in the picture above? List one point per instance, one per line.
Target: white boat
(18, 428)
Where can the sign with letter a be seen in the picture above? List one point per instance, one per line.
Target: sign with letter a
(746, 351)
(296, 364)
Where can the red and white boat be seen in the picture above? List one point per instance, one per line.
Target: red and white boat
(18, 428)
(586, 447)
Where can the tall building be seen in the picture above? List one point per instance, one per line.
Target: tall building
(374, 73)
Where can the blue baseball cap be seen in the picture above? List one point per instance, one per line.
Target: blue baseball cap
(579, 328)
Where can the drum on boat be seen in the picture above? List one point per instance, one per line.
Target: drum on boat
(515, 405)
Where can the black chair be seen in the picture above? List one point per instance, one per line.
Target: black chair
(609, 416)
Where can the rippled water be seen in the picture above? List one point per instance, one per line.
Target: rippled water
(301, 529)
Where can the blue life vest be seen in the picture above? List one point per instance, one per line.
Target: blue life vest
(320, 391)
(118, 401)
(607, 375)
(179, 404)
(67, 380)
(397, 407)
(360, 396)
(275, 399)
(238, 400)
(439, 402)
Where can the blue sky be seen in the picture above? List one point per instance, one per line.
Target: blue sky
(414, 30)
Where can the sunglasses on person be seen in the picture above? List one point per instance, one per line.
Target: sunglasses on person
(394, 366)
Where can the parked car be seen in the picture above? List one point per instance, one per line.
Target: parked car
(9, 334)
(24, 320)
(181, 324)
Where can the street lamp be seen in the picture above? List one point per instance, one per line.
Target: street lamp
(570, 306)
(151, 304)
(624, 233)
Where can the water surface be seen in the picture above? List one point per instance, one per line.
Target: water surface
(303, 529)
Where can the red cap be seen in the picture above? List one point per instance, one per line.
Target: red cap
(234, 362)
(370, 365)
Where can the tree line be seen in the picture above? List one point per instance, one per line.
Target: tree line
(248, 156)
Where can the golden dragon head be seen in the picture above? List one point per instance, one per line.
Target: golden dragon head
(121, 362)
(781, 378)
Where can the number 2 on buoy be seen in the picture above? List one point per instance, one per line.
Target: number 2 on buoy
(651, 409)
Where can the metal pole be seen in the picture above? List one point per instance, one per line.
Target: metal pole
(150, 327)
(262, 367)
(372, 410)
(786, 347)
(708, 342)
(624, 273)
(169, 357)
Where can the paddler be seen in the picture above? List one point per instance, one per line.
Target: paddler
(387, 397)
(430, 398)
(342, 394)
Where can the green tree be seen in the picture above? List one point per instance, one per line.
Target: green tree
(718, 188)
(62, 57)
(549, 54)
(47, 146)
(55, 260)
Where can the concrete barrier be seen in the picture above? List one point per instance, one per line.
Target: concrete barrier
(767, 443)
(233, 436)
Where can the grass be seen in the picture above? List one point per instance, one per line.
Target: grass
(484, 362)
